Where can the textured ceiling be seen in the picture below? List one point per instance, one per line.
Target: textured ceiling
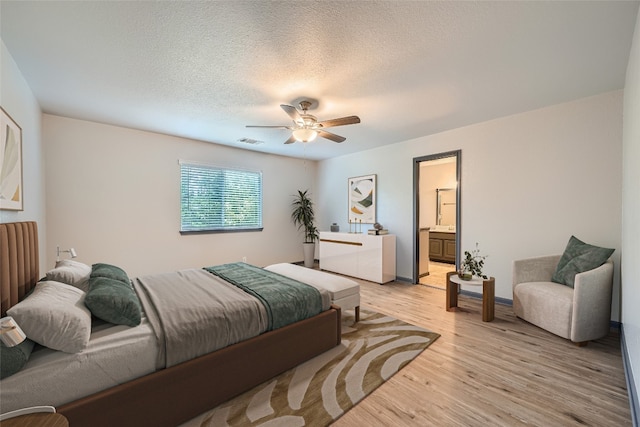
(204, 70)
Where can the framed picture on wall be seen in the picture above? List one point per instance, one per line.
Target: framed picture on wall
(11, 197)
(362, 199)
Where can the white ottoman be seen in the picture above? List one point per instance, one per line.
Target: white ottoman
(345, 293)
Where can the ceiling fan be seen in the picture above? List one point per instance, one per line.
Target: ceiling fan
(307, 127)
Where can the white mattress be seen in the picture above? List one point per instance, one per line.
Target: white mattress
(54, 378)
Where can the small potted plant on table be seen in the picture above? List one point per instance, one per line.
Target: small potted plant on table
(472, 265)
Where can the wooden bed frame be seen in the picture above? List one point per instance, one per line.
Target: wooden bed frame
(174, 395)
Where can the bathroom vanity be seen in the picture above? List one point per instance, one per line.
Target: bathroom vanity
(442, 246)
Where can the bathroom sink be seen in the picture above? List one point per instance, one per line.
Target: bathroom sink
(444, 228)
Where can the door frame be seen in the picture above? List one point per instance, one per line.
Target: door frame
(416, 205)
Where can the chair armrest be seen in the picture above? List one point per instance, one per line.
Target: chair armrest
(538, 269)
(592, 303)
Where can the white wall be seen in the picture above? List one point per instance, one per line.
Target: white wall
(113, 195)
(529, 181)
(18, 101)
(631, 209)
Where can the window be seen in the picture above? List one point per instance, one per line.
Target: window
(219, 199)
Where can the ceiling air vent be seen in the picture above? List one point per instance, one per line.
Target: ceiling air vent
(250, 141)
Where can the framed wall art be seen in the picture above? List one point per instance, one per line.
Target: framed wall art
(362, 199)
(11, 197)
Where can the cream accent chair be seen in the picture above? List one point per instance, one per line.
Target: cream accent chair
(580, 314)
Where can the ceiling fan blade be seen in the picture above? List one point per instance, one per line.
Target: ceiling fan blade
(332, 136)
(292, 112)
(291, 140)
(349, 120)
(272, 127)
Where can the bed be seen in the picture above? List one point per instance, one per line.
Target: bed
(172, 395)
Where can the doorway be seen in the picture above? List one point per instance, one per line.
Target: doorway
(437, 207)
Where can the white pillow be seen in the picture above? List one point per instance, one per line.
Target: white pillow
(55, 316)
(72, 273)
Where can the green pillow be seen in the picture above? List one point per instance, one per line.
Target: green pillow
(579, 257)
(109, 271)
(111, 296)
(12, 359)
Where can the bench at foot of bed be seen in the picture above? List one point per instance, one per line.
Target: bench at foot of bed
(345, 293)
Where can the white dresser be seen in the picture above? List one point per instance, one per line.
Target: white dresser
(359, 255)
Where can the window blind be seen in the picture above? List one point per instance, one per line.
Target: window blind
(219, 199)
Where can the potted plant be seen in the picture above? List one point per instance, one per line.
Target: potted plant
(472, 265)
(302, 216)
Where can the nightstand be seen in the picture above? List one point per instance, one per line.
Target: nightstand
(37, 420)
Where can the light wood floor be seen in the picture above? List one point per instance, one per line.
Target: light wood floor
(437, 276)
(503, 373)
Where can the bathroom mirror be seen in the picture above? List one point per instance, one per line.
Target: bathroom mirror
(446, 206)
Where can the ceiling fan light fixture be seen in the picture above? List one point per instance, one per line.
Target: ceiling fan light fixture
(305, 135)
(307, 128)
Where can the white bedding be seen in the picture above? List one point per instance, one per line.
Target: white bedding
(193, 312)
(71, 376)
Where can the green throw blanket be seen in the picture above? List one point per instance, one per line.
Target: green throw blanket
(286, 300)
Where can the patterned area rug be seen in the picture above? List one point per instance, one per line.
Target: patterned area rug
(319, 391)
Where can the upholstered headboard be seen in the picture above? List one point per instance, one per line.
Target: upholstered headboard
(19, 261)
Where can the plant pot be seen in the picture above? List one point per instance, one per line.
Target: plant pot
(309, 250)
(465, 276)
